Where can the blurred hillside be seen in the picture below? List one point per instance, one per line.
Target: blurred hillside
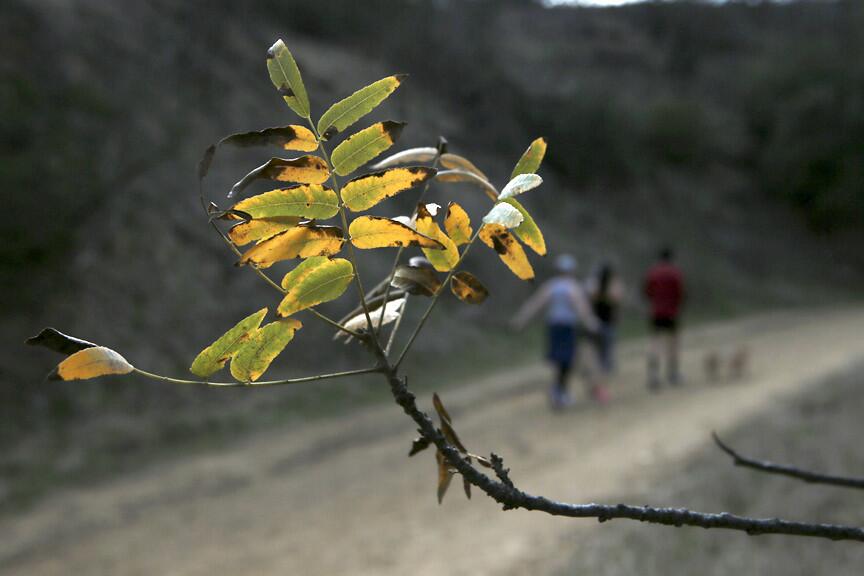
(736, 132)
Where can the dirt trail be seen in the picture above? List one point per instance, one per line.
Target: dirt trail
(340, 496)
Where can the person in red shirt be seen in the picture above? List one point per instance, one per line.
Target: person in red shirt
(664, 289)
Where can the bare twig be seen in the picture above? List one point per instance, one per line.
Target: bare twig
(790, 471)
(263, 383)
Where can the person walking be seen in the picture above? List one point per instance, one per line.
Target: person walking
(664, 289)
(605, 292)
(567, 313)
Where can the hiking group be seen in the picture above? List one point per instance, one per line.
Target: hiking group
(589, 311)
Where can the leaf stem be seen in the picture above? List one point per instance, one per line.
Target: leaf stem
(435, 299)
(264, 383)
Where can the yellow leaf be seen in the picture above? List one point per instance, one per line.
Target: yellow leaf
(456, 162)
(468, 287)
(304, 170)
(379, 232)
(531, 159)
(303, 241)
(528, 231)
(458, 224)
(426, 154)
(286, 77)
(508, 248)
(213, 358)
(363, 146)
(292, 137)
(91, 363)
(443, 260)
(456, 176)
(346, 112)
(261, 229)
(314, 281)
(256, 354)
(312, 201)
(366, 191)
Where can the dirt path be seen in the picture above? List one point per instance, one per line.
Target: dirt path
(340, 497)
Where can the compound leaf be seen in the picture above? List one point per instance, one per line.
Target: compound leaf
(366, 191)
(426, 154)
(528, 231)
(379, 232)
(305, 170)
(315, 280)
(531, 159)
(519, 184)
(213, 358)
(503, 214)
(303, 241)
(468, 288)
(456, 176)
(443, 260)
(260, 229)
(456, 162)
(346, 112)
(286, 77)
(312, 201)
(258, 352)
(458, 224)
(508, 248)
(91, 363)
(364, 145)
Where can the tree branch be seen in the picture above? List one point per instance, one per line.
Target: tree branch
(315, 378)
(790, 471)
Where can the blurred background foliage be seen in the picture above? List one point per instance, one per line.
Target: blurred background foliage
(733, 131)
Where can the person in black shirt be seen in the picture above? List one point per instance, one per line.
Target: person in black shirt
(605, 292)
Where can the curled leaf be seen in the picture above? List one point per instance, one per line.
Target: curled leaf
(468, 288)
(408, 156)
(508, 248)
(528, 231)
(520, 184)
(447, 424)
(503, 214)
(445, 474)
(58, 342)
(91, 363)
(363, 146)
(286, 77)
(458, 224)
(368, 190)
(304, 170)
(456, 162)
(443, 260)
(312, 201)
(416, 280)
(257, 353)
(314, 281)
(213, 358)
(346, 112)
(456, 176)
(531, 159)
(303, 241)
(392, 311)
(378, 232)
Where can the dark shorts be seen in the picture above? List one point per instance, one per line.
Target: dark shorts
(664, 324)
(561, 344)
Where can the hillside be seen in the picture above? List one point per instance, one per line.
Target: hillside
(665, 124)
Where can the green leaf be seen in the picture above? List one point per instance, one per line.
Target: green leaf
(531, 159)
(286, 77)
(91, 363)
(256, 354)
(305, 170)
(213, 358)
(503, 214)
(312, 201)
(346, 112)
(314, 281)
(366, 191)
(528, 231)
(520, 184)
(363, 146)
